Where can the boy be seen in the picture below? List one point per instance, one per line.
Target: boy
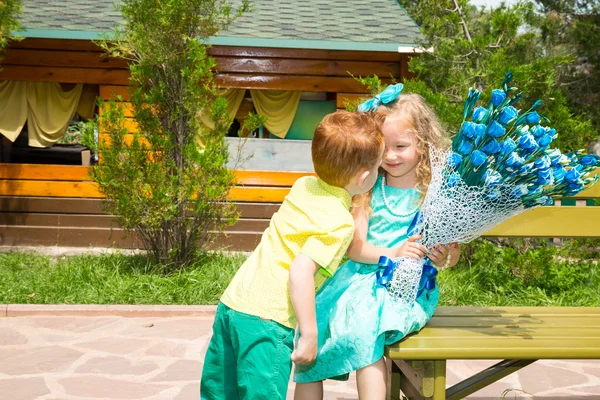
(250, 353)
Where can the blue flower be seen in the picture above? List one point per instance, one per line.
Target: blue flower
(498, 97)
(479, 114)
(527, 142)
(508, 146)
(559, 174)
(491, 147)
(563, 160)
(534, 147)
(492, 177)
(465, 148)
(453, 179)
(545, 176)
(478, 158)
(545, 140)
(468, 129)
(390, 94)
(552, 133)
(537, 131)
(479, 133)
(507, 115)
(454, 159)
(574, 188)
(496, 130)
(519, 191)
(533, 118)
(543, 162)
(524, 169)
(554, 155)
(590, 160)
(514, 160)
(572, 175)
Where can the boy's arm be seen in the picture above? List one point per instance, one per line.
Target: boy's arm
(363, 252)
(302, 294)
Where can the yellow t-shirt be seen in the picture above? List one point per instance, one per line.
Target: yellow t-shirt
(313, 220)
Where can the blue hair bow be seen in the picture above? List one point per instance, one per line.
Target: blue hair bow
(390, 94)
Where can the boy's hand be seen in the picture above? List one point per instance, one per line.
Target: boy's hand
(438, 254)
(306, 350)
(411, 248)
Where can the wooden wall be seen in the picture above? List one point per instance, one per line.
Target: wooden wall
(81, 61)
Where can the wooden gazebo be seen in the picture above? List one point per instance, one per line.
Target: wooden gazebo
(311, 47)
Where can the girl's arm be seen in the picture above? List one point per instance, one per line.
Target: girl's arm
(363, 252)
(302, 293)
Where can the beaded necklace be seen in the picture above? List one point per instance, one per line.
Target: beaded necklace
(411, 212)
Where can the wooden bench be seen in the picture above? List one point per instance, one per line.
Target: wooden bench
(516, 335)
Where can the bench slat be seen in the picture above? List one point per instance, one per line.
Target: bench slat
(524, 322)
(524, 333)
(497, 347)
(479, 333)
(514, 310)
(551, 222)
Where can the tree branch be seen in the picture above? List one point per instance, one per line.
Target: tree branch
(462, 20)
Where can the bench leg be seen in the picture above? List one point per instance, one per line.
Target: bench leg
(485, 378)
(394, 378)
(417, 380)
(439, 385)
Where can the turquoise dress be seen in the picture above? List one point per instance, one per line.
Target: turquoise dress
(356, 317)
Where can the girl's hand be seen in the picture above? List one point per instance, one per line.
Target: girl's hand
(411, 248)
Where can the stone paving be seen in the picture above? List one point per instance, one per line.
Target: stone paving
(157, 357)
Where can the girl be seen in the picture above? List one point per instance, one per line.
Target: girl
(356, 316)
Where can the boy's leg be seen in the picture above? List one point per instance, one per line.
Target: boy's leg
(309, 391)
(263, 358)
(219, 378)
(371, 381)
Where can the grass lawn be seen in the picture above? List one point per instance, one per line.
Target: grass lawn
(111, 279)
(488, 276)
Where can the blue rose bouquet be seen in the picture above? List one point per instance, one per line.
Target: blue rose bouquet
(501, 163)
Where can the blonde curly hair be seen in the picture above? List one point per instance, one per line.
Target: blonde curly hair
(428, 131)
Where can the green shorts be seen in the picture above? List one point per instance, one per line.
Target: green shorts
(247, 358)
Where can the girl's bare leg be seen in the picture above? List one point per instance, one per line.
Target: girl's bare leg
(371, 381)
(309, 391)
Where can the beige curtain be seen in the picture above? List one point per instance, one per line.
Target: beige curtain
(234, 98)
(87, 102)
(13, 108)
(50, 111)
(278, 107)
(47, 108)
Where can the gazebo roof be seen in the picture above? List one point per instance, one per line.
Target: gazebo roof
(375, 25)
